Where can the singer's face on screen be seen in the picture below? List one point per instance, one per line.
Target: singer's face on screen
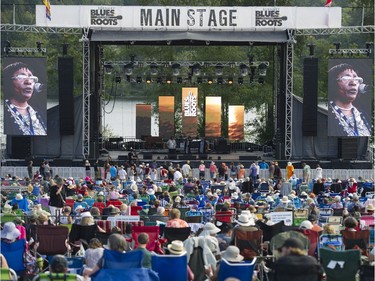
(23, 84)
(348, 83)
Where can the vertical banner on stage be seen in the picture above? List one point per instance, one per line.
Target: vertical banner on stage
(143, 120)
(166, 116)
(350, 94)
(236, 120)
(25, 96)
(213, 117)
(190, 111)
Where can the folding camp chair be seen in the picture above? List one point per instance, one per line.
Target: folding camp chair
(356, 240)
(172, 234)
(340, 265)
(298, 270)
(82, 233)
(224, 216)
(52, 239)
(163, 265)
(183, 212)
(193, 217)
(324, 214)
(14, 253)
(331, 241)
(299, 216)
(242, 271)
(313, 237)
(58, 277)
(368, 220)
(278, 240)
(154, 245)
(249, 242)
(8, 274)
(270, 231)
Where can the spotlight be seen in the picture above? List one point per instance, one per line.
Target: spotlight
(179, 80)
(118, 79)
(197, 69)
(108, 69)
(39, 46)
(219, 69)
(148, 80)
(244, 70)
(262, 69)
(128, 69)
(168, 81)
(176, 69)
(65, 49)
(199, 80)
(209, 81)
(251, 59)
(220, 80)
(139, 79)
(337, 45)
(154, 69)
(240, 80)
(230, 81)
(311, 48)
(159, 80)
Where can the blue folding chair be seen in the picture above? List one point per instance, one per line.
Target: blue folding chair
(14, 253)
(243, 271)
(163, 265)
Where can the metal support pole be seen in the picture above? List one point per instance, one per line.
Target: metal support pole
(86, 93)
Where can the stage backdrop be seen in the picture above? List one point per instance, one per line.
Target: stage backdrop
(236, 120)
(213, 117)
(350, 94)
(143, 120)
(189, 112)
(166, 116)
(33, 90)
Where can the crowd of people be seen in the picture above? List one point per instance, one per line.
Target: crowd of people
(161, 195)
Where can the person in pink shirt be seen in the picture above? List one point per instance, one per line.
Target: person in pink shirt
(202, 170)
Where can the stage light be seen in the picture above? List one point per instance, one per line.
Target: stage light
(148, 80)
(311, 49)
(199, 80)
(230, 81)
(65, 49)
(244, 70)
(108, 69)
(262, 69)
(219, 69)
(128, 69)
(139, 79)
(251, 59)
(240, 80)
(179, 80)
(209, 81)
(197, 69)
(337, 45)
(39, 46)
(176, 69)
(118, 79)
(154, 69)
(159, 80)
(168, 81)
(220, 80)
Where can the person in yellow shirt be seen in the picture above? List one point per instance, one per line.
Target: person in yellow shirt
(289, 170)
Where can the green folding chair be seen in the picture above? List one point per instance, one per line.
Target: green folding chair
(58, 277)
(340, 265)
(8, 274)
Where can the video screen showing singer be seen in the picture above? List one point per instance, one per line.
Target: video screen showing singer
(20, 86)
(346, 89)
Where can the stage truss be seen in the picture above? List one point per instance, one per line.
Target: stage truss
(86, 90)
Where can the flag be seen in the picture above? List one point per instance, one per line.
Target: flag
(328, 3)
(48, 9)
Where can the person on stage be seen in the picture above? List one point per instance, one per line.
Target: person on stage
(344, 119)
(19, 117)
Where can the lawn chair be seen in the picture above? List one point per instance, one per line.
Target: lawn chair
(242, 271)
(154, 245)
(356, 240)
(193, 217)
(52, 240)
(299, 216)
(170, 267)
(249, 242)
(313, 237)
(58, 277)
(298, 271)
(224, 216)
(340, 265)
(172, 234)
(8, 274)
(324, 214)
(270, 231)
(331, 241)
(82, 234)
(14, 255)
(278, 240)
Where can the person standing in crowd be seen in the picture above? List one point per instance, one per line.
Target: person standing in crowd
(122, 173)
(171, 144)
(170, 171)
(344, 119)
(97, 169)
(19, 117)
(263, 165)
(57, 198)
(132, 156)
(202, 170)
(186, 170)
(87, 168)
(233, 170)
(213, 170)
(253, 172)
(318, 172)
(277, 171)
(271, 170)
(306, 173)
(30, 170)
(289, 170)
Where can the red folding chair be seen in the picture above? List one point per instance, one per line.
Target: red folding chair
(313, 237)
(116, 203)
(69, 202)
(134, 210)
(154, 245)
(105, 225)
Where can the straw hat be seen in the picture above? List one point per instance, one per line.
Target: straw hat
(244, 220)
(86, 215)
(232, 254)
(78, 208)
(285, 199)
(177, 199)
(209, 229)
(234, 195)
(176, 247)
(303, 193)
(9, 231)
(19, 196)
(150, 191)
(370, 207)
(337, 198)
(115, 211)
(134, 187)
(101, 193)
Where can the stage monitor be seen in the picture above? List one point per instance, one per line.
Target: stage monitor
(350, 94)
(24, 86)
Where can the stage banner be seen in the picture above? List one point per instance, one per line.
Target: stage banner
(350, 95)
(189, 112)
(25, 96)
(236, 120)
(213, 117)
(142, 120)
(166, 116)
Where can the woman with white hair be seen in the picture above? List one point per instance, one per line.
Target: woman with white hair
(337, 204)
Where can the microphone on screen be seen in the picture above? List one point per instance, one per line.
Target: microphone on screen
(38, 87)
(363, 88)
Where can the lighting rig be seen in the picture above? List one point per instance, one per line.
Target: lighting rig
(351, 52)
(8, 49)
